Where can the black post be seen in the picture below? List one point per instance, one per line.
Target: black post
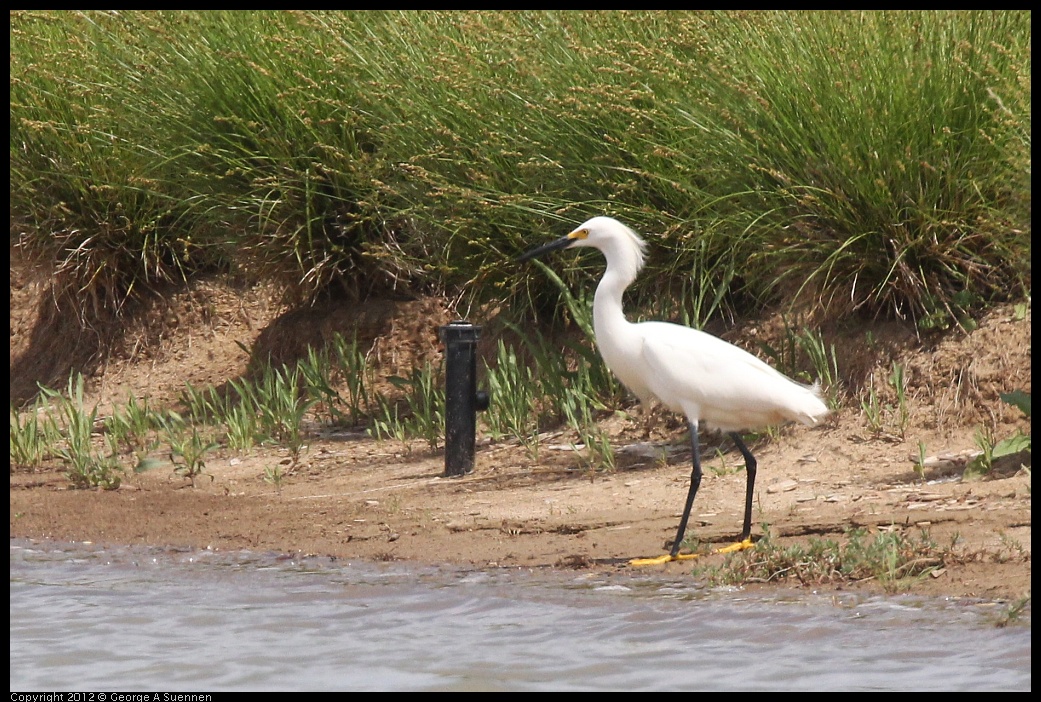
(461, 397)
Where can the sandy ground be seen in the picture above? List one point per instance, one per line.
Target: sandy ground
(354, 498)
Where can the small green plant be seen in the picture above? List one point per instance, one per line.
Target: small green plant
(982, 464)
(943, 313)
(919, 466)
(991, 449)
(282, 405)
(1014, 611)
(33, 436)
(599, 452)
(872, 409)
(132, 426)
(890, 557)
(580, 407)
(188, 445)
(424, 396)
(563, 383)
(241, 425)
(316, 373)
(1013, 549)
(896, 379)
(387, 423)
(722, 468)
(236, 409)
(85, 467)
(205, 405)
(879, 414)
(274, 475)
(512, 385)
(353, 368)
(27, 447)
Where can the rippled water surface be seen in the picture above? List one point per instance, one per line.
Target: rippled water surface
(86, 618)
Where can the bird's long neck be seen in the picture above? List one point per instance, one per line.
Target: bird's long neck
(607, 302)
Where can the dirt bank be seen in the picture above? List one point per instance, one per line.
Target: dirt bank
(355, 498)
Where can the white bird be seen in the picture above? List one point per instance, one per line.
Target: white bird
(713, 383)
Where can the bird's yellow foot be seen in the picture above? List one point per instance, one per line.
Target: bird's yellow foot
(734, 548)
(667, 558)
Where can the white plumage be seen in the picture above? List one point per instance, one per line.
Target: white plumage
(713, 383)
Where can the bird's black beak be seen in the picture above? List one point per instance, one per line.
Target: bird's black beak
(561, 243)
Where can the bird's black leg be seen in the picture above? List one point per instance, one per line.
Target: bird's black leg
(695, 482)
(750, 466)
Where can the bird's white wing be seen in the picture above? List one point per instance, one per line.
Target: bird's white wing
(720, 384)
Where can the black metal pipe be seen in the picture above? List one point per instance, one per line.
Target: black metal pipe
(462, 400)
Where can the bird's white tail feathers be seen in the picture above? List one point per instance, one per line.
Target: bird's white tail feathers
(812, 409)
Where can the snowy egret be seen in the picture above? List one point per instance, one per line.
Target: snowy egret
(713, 383)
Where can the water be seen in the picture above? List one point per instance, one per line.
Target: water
(117, 619)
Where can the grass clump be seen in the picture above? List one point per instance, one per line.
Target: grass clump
(97, 196)
(870, 160)
(866, 136)
(188, 447)
(423, 399)
(85, 466)
(890, 558)
(33, 434)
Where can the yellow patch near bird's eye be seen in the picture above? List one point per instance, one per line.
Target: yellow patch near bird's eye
(578, 234)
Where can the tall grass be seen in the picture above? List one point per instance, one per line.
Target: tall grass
(97, 195)
(873, 160)
(880, 144)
